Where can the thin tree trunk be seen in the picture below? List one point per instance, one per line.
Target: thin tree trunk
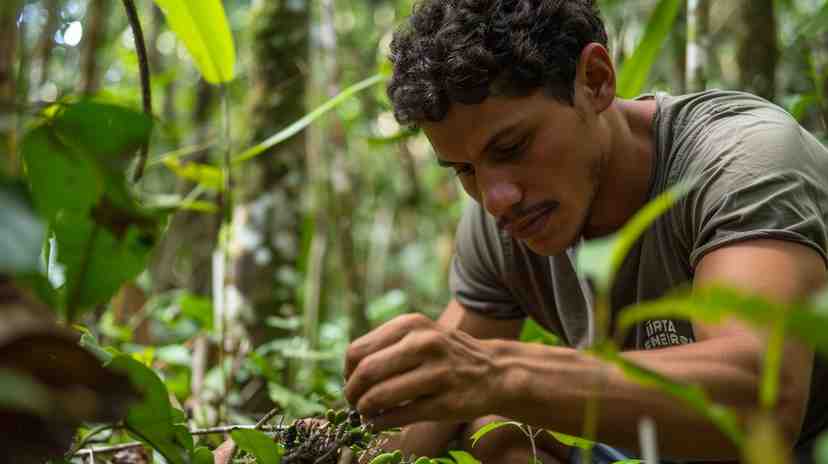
(698, 44)
(9, 12)
(46, 42)
(758, 48)
(94, 39)
(268, 207)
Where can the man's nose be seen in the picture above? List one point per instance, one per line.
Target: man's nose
(499, 197)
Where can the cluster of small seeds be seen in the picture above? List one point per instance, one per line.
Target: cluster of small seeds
(318, 441)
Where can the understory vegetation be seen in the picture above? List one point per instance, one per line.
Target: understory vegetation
(203, 202)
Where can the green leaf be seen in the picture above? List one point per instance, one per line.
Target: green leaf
(601, 258)
(109, 133)
(209, 176)
(293, 402)
(262, 447)
(21, 231)
(203, 455)
(202, 26)
(89, 342)
(692, 395)
(800, 103)
(97, 262)
(463, 457)
(152, 420)
(569, 440)
(61, 178)
(635, 69)
(821, 449)
(306, 120)
(533, 332)
(482, 431)
(198, 308)
(21, 392)
(710, 305)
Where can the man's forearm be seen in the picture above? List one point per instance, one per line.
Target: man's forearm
(549, 387)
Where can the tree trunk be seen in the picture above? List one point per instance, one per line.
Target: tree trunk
(698, 44)
(9, 12)
(267, 217)
(46, 42)
(184, 257)
(94, 38)
(758, 48)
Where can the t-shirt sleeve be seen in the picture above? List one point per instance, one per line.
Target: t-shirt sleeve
(477, 277)
(772, 186)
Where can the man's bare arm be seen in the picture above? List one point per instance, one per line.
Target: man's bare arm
(725, 361)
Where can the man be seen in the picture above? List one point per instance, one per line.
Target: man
(518, 97)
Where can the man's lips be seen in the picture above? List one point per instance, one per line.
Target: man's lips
(529, 223)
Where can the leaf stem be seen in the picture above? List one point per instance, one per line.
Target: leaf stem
(773, 362)
(146, 88)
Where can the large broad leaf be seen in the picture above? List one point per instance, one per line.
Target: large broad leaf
(21, 231)
(692, 395)
(600, 259)
(97, 260)
(259, 445)
(202, 26)
(109, 133)
(153, 419)
(61, 178)
(635, 69)
(297, 126)
(75, 161)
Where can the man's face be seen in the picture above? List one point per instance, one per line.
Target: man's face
(532, 162)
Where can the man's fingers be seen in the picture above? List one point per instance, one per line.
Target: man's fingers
(424, 409)
(382, 337)
(402, 389)
(383, 365)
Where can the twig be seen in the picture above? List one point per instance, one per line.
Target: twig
(266, 418)
(109, 449)
(230, 428)
(89, 436)
(346, 455)
(207, 431)
(146, 89)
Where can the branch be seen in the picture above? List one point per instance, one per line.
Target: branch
(146, 89)
(207, 431)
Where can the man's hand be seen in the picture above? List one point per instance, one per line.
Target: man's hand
(411, 369)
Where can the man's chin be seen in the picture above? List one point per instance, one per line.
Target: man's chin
(546, 246)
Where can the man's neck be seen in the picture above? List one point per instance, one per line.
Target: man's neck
(627, 172)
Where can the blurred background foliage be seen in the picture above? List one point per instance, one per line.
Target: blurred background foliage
(345, 224)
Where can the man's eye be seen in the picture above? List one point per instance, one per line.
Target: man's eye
(463, 170)
(511, 150)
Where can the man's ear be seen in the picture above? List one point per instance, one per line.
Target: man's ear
(595, 75)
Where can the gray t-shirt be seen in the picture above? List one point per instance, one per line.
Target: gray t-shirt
(760, 175)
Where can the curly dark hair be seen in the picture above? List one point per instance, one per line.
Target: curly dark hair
(465, 50)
